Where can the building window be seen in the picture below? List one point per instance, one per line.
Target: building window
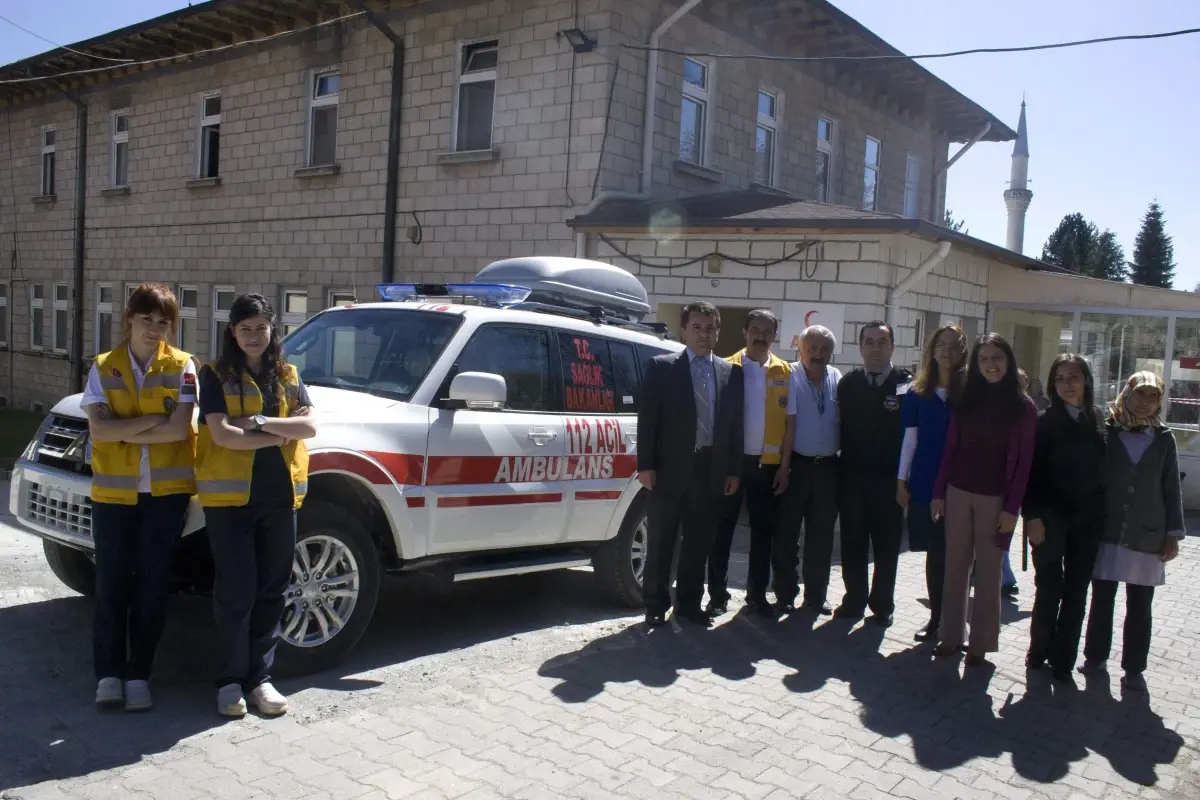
(222, 301)
(295, 309)
(37, 316)
(476, 95)
(189, 300)
(130, 288)
(62, 318)
(824, 160)
(104, 318)
(912, 182)
(870, 174)
(49, 137)
(693, 119)
(210, 136)
(340, 297)
(766, 137)
(4, 315)
(118, 154)
(324, 92)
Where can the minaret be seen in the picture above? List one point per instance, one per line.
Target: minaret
(1017, 197)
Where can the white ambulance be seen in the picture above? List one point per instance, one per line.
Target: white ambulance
(480, 429)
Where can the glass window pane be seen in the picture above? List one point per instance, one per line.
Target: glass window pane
(475, 104)
(106, 294)
(60, 329)
(822, 177)
(587, 374)
(691, 130)
(61, 293)
(480, 57)
(295, 303)
(868, 189)
(766, 105)
(341, 299)
(872, 152)
(37, 334)
(824, 131)
(1117, 346)
(326, 85)
(39, 291)
(188, 339)
(210, 151)
(1185, 375)
(4, 324)
(225, 300)
(212, 106)
(521, 355)
(104, 334)
(122, 123)
(1036, 338)
(188, 298)
(50, 138)
(695, 73)
(625, 374)
(3, 291)
(121, 155)
(324, 135)
(764, 155)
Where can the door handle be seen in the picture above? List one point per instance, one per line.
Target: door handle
(540, 436)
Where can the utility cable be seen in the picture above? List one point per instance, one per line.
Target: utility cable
(63, 46)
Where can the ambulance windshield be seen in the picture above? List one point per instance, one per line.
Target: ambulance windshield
(380, 351)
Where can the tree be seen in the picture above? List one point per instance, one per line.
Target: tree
(953, 224)
(1109, 261)
(1153, 252)
(1074, 245)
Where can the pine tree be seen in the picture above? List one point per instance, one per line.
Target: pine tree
(1074, 245)
(1153, 252)
(953, 224)
(1110, 261)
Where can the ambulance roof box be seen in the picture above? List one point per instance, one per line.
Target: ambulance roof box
(574, 283)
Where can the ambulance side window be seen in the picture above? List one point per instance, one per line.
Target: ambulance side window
(625, 373)
(587, 374)
(521, 355)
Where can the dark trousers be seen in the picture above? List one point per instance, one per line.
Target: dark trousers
(1063, 566)
(134, 547)
(252, 552)
(812, 503)
(694, 508)
(871, 519)
(1138, 624)
(762, 504)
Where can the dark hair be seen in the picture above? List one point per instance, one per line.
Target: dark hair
(1089, 385)
(978, 388)
(152, 298)
(877, 323)
(764, 314)
(701, 307)
(232, 362)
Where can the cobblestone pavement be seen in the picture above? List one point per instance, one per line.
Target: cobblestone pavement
(532, 688)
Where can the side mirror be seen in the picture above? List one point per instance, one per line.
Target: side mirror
(479, 390)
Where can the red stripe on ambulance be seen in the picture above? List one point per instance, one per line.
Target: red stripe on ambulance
(498, 500)
(614, 495)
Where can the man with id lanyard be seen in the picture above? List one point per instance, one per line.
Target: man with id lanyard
(810, 454)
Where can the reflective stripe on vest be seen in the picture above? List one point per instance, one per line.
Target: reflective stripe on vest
(127, 482)
(223, 487)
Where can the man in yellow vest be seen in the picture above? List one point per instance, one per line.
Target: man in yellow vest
(139, 400)
(767, 378)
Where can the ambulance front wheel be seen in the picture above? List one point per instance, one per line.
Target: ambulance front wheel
(333, 590)
(73, 567)
(620, 563)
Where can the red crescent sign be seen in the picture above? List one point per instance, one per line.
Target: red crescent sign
(809, 316)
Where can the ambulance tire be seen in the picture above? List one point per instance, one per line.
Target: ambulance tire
(326, 520)
(73, 567)
(613, 561)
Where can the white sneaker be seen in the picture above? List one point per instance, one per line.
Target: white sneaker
(109, 692)
(137, 696)
(230, 702)
(268, 700)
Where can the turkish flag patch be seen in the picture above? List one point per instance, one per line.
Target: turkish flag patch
(116, 372)
(189, 379)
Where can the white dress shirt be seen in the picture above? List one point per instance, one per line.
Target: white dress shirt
(755, 425)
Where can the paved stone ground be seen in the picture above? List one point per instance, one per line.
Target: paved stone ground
(532, 688)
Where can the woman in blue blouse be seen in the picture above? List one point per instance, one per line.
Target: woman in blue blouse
(926, 417)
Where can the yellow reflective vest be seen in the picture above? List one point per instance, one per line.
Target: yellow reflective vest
(779, 376)
(115, 464)
(223, 476)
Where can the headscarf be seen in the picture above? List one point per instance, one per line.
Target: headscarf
(1118, 412)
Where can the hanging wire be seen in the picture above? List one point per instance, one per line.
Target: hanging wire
(63, 46)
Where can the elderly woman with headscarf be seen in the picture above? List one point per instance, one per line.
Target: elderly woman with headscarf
(1144, 523)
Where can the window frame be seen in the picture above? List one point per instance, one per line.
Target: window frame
(49, 181)
(289, 319)
(220, 318)
(771, 124)
(482, 76)
(826, 147)
(186, 313)
(116, 138)
(37, 304)
(912, 185)
(871, 169)
(206, 122)
(316, 102)
(102, 308)
(701, 96)
(332, 295)
(7, 320)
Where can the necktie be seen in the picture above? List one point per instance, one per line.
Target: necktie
(700, 379)
(874, 378)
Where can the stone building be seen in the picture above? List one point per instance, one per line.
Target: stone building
(246, 145)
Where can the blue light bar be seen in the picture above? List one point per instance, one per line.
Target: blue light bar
(498, 294)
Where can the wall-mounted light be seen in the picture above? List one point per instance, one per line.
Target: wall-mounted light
(580, 42)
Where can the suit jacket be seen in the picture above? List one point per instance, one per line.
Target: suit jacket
(667, 422)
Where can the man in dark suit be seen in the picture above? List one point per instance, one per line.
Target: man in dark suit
(689, 455)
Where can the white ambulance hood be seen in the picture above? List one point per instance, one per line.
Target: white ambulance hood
(337, 402)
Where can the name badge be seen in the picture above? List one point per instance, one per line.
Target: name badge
(783, 401)
(892, 403)
(776, 383)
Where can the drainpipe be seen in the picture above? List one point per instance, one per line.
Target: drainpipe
(903, 288)
(593, 204)
(387, 271)
(80, 241)
(937, 176)
(652, 90)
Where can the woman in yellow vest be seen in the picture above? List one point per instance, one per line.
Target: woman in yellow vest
(251, 475)
(139, 402)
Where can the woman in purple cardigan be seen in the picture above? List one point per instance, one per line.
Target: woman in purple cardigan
(979, 489)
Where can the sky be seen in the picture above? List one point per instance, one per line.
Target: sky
(1107, 134)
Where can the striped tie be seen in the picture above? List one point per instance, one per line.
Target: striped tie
(701, 374)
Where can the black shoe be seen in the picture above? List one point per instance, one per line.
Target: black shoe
(823, 609)
(882, 620)
(695, 616)
(848, 612)
(929, 633)
(1063, 675)
(1011, 590)
(761, 607)
(716, 609)
(655, 619)
(1035, 662)
(786, 607)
